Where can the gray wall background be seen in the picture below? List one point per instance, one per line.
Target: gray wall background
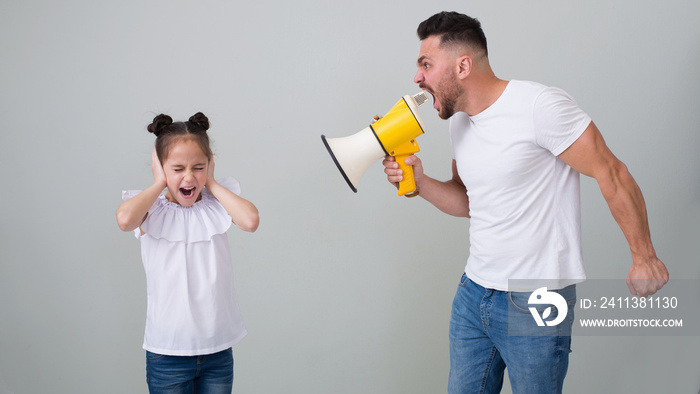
(341, 292)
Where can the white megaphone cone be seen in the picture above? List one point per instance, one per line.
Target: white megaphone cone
(354, 154)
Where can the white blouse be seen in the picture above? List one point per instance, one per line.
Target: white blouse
(192, 307)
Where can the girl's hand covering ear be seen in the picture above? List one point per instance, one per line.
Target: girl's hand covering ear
(157, 168)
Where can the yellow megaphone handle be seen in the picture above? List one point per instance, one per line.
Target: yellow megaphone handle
(408, 183)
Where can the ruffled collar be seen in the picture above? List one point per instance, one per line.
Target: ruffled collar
(205, 195)
(197, 223)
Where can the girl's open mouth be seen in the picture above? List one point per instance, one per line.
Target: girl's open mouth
(187, 192)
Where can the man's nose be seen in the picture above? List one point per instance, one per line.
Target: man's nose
(418, 78)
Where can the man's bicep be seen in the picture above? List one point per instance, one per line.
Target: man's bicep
(589, 154)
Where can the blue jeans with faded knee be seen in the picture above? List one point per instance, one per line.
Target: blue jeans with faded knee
(206, 374)
(481, 345)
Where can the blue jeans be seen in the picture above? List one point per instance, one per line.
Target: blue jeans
(208, 374)
(481, 346)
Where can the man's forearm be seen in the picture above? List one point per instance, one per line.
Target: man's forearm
(627, 206)
(450, 197)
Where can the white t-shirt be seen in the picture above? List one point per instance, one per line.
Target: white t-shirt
(523, 200)
(192, 307)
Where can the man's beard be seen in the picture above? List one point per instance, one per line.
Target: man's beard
(450, 91)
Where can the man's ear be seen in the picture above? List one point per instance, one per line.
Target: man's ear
(464, 66)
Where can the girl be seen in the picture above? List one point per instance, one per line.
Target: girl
(192, 317)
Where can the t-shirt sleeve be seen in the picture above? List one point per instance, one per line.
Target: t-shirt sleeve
(558, 120)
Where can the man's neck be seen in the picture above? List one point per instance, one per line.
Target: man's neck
(482, 92)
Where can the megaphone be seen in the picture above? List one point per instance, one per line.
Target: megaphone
(393, 135)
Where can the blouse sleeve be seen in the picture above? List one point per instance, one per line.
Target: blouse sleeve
(127, 194)
(231, 184)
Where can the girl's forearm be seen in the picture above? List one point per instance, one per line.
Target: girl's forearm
(243, 213)
(132, 212)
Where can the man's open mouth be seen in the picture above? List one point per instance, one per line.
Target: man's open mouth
(425, 88)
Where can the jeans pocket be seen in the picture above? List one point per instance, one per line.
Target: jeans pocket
(165, 371)
(153, 356)
(463, 280)
(526, 311)
(520, 302)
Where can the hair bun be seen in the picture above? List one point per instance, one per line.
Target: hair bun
(160, 124)
(200, 120)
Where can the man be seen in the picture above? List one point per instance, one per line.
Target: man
(518, 149)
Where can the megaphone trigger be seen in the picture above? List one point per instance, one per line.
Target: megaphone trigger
(408, 184)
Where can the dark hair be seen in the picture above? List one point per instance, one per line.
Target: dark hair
(167, 132)
(453, 27)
